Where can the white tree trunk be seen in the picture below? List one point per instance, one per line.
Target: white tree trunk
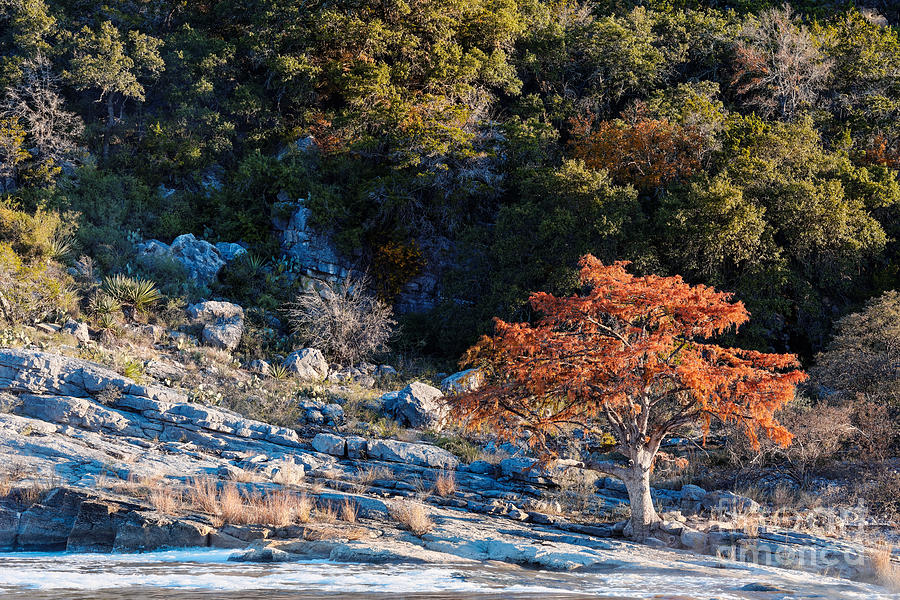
(643, 513)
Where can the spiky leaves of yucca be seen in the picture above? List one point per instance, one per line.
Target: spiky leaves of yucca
(136, 293)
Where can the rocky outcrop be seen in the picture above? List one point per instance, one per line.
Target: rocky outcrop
(318, 258)
(418, 405)
(63, 390)
(417, 454)
(308, 364)
(201, 260)
(223, 323)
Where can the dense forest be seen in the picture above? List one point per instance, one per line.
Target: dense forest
(749, 145)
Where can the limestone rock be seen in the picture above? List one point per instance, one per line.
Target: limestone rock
(199, 258)
(259, 366)
(464, 381)
(418, 405)
(308, 364)
(78, 330)
(729, 502)
(417, 454)
(328, 443)
(230, 251)
(223, 323)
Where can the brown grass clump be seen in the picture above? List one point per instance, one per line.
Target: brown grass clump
(349, 511)
(203, 495)
(326, 514)
(304, 508)
(276, 509)
(231, 506)
(412, 516)
(885, 570)
(445, 484)
(164, 500)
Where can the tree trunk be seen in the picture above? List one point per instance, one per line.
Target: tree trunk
(643, 513)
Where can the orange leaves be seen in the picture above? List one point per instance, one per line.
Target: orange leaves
(646, 153)
(629, 355)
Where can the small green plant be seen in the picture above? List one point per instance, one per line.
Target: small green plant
(59, 247)
(138, 293)
(279, 372)
(133, 369)
(104, 304)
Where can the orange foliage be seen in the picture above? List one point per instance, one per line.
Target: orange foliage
(646, 153)
(881, 154)
(630, 356)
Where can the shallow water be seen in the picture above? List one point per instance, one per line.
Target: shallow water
(206, 574)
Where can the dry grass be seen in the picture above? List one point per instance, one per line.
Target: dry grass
(304, 508)
(231, 506)
(412, 516)
(276, 509)
(349, 511)
(445, 484)
(165, 500)
(326, 513)
(886, 571)
(366, 476)
(203, 494)
(6, 485)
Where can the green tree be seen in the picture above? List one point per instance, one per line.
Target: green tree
(115, 66)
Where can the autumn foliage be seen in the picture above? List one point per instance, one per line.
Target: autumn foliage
(646, 153)
(630, 357)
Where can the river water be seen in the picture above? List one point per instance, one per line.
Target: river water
(207, 575)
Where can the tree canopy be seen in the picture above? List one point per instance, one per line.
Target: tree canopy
(630, 356)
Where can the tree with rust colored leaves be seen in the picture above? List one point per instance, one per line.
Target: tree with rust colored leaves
(630, 357)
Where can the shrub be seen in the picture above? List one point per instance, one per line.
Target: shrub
(33, 293)
(40, 236)
(344, 320)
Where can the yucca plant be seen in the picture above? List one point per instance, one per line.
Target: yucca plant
(135, 292)
(59, 247)
(279, 371)
(254, 261)
(103, 304)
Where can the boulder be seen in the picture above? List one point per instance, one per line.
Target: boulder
(259, 366)
(328, 443)
(226, 335)
(418, 405)
(78, 330)
(463, 381)
(728, 502)
(210, 311)
(223, 323)
(481, 467)
(308, 364)
(693, 540)
(423, 455)
(357, 446)
(95, 527)
(199, 258)
(230, 251)
(46, 526)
